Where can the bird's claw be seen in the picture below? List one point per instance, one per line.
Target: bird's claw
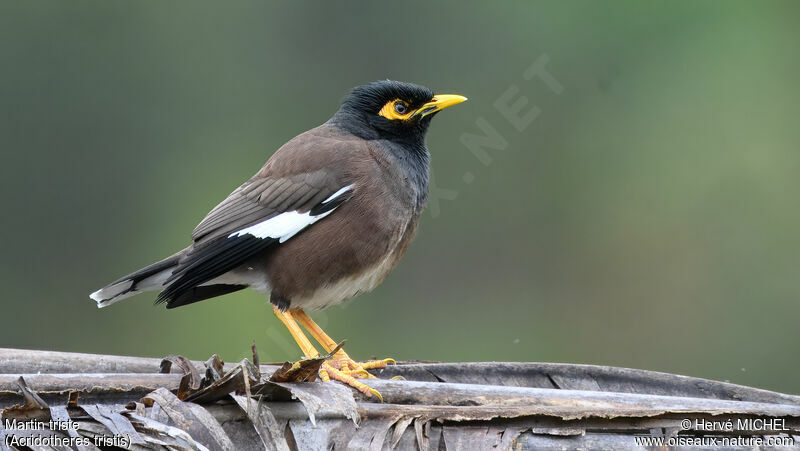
(329, 372)
(359, 369)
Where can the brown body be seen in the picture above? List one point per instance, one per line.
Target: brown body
(354, 248)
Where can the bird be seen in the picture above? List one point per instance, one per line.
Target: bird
(326, 218)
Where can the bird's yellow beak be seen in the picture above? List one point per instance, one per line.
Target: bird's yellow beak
(439, 102)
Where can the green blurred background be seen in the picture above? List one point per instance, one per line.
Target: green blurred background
(647, 218)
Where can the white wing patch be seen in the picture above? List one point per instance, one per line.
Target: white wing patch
(337, 194)
(288, 224)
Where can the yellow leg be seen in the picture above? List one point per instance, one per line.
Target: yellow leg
(316, 331)
(327, 372)
(305, 344)
(347, 363)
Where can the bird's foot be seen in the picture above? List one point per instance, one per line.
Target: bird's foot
(337, 365)
(359, 369)
(348, 371)
(328, 373)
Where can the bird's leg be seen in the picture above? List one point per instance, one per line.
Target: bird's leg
(341, 360)
(305, 344)
(328, 371)
(300, 338)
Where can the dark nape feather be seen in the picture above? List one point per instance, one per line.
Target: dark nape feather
(196, 294)
(208, 261)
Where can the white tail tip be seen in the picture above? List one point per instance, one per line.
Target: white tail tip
(113, 293)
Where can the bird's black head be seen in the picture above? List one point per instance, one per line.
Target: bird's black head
(392, 110)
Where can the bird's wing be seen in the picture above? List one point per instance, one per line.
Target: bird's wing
(262, 198)
(265, 211)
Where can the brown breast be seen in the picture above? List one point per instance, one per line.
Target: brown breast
(354, 248)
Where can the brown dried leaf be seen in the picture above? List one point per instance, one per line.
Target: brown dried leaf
(184, 388)
(185, 365)
(304, 370)
(34, 406)
(72, 402)
(235, 381)
(214, 370)
(256, 360)
(32, 400)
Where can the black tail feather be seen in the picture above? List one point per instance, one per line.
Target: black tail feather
(201, 293)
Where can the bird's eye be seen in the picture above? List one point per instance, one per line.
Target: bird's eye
(400, 107)
(396, 110)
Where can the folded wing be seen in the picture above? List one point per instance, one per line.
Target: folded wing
(262, 213)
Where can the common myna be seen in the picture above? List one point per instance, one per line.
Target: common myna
(328, 217)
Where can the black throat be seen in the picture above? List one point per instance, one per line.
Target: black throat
(407, 150)
(403, 140)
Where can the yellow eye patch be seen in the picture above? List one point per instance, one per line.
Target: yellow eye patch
(396, 110)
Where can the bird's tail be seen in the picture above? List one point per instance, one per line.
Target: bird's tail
(149, 278)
